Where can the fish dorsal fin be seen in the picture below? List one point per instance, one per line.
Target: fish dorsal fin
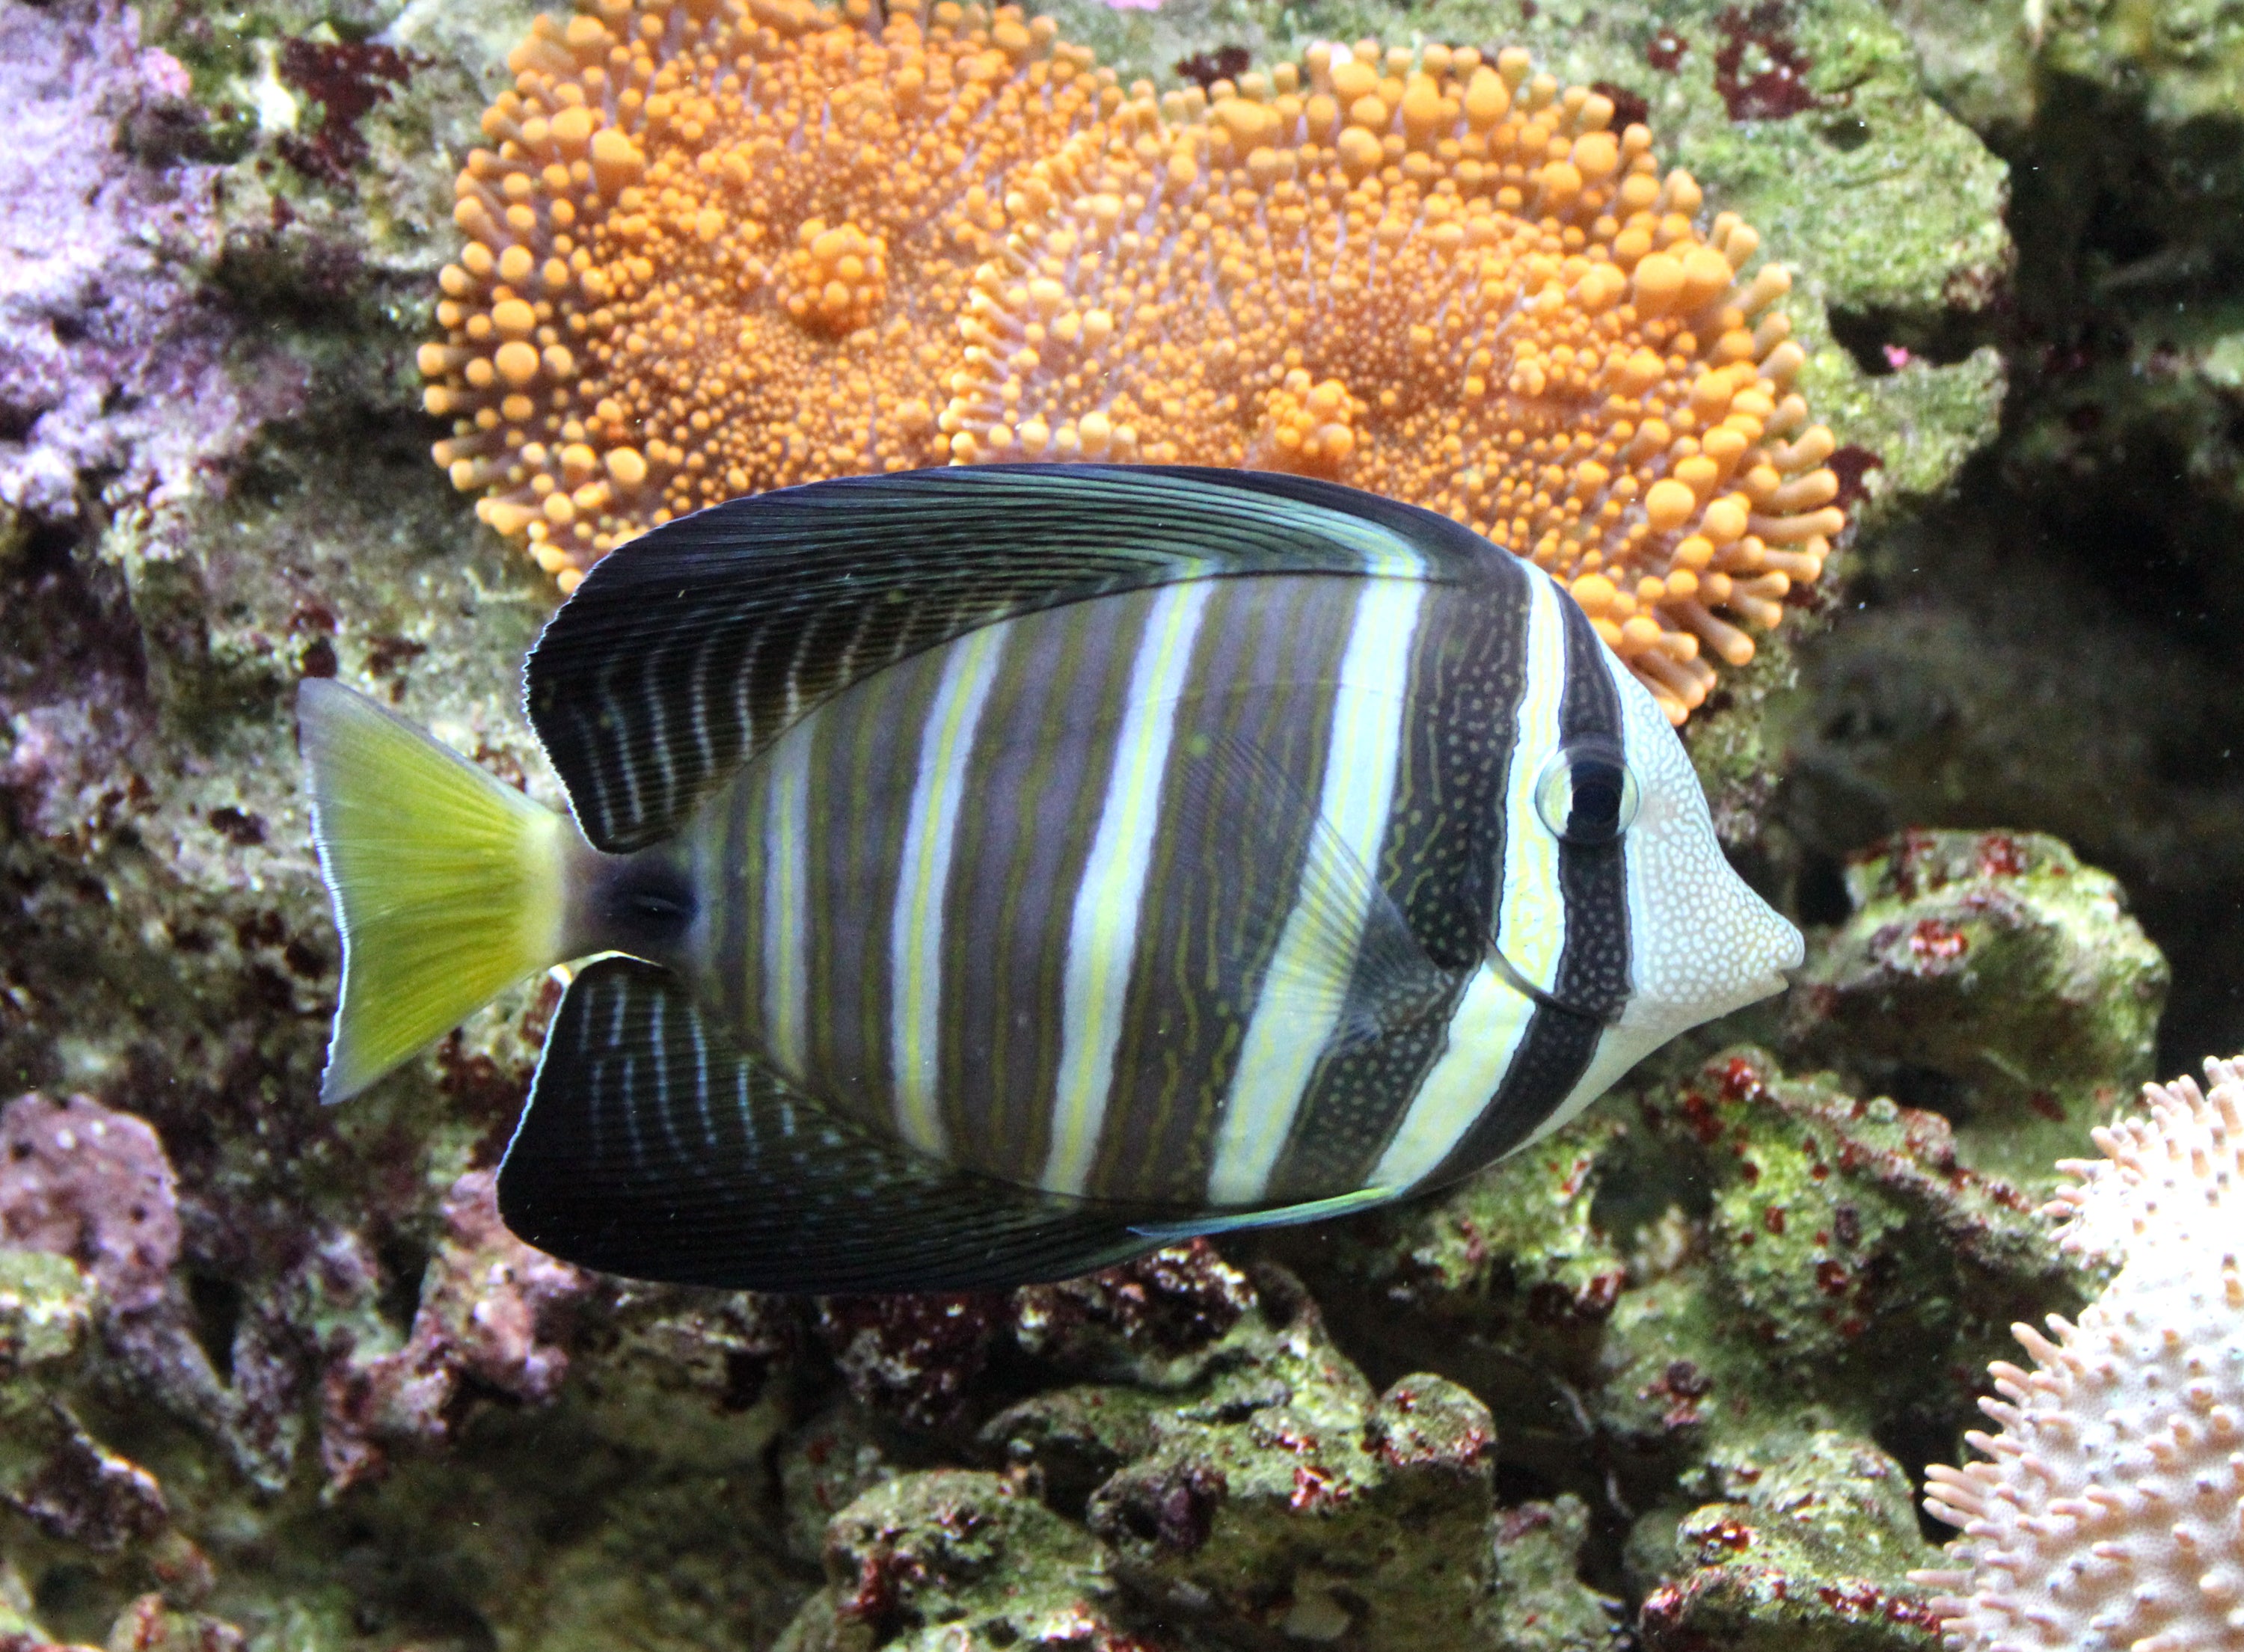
(688, 651)
(654, 1148)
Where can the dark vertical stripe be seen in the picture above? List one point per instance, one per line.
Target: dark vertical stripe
(1038, 777)
(1441, 863)
(1594, 966)
(1228, 862)
(863, 765)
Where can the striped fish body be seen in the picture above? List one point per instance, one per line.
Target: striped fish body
(1019, 900)
(1223, 849)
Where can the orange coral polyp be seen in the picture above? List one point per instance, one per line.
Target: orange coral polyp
(715, 247)
(1513, 309)
(722, 246)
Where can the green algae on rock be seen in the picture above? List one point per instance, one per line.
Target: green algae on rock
(1994, 975)
(1541, 1604)
(1279, 1495)
(1810, 1546)
(46, 1305)
(958, 1561)
(1749, 1277)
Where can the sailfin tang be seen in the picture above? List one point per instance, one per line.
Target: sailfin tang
(652, 1148)
(448, 883)
(690, 649)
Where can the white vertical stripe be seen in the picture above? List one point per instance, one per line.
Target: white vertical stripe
(1530, 919)
(1285, 1038)
(915, 925)
(698, 698)
(1102, 933)
(701, 1083)
(1491, 1018)
(786, 902)
(1485, 1033)
(657, 727)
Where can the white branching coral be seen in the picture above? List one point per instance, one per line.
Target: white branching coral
(2109, 1512)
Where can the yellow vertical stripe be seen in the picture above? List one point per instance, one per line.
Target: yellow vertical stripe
(1284, 1039)
(1103, 931)
(1491, 1018)
(915, 925)
(786, 914)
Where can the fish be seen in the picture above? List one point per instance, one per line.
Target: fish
(984, 875)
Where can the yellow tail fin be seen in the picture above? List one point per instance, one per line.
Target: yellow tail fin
(447, 885)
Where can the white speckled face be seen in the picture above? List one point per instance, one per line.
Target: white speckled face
(1702, 943)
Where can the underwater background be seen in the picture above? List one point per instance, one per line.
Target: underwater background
(273, 1375)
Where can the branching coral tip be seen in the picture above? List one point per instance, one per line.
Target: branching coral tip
(2107, 1514)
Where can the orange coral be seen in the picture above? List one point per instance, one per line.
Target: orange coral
(807, 253)
(721, 247)
(1429, 276)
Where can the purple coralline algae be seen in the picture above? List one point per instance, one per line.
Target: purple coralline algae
(87, 1182)
(493, 1311)
(114, 373)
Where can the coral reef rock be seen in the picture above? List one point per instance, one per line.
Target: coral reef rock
(952, 1559)
(84, 1181)
(1991, 976)
(113, 353)
(490, 1312)
(2108, 1511)
(1808, 1549)
(2106, 521)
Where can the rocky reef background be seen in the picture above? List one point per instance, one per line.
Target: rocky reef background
(272, 1375)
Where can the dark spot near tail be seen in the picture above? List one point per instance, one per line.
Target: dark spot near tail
(404, 1265)
(237, 826)
(308, 959)
(1630, 109)
(1203, 69)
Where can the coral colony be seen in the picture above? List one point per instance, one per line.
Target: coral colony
(1432, 275)
(2107, 1513)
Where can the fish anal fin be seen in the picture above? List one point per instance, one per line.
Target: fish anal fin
(1284, 1216)
(652, 1148)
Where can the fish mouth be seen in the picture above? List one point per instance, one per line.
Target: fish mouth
(1518, 982)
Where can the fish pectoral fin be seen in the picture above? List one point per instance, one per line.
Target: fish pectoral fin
(1284, 1216)
(690, 650)
(652, 1148)
(1345, 960)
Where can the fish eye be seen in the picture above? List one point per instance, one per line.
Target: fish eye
(1586, 793)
